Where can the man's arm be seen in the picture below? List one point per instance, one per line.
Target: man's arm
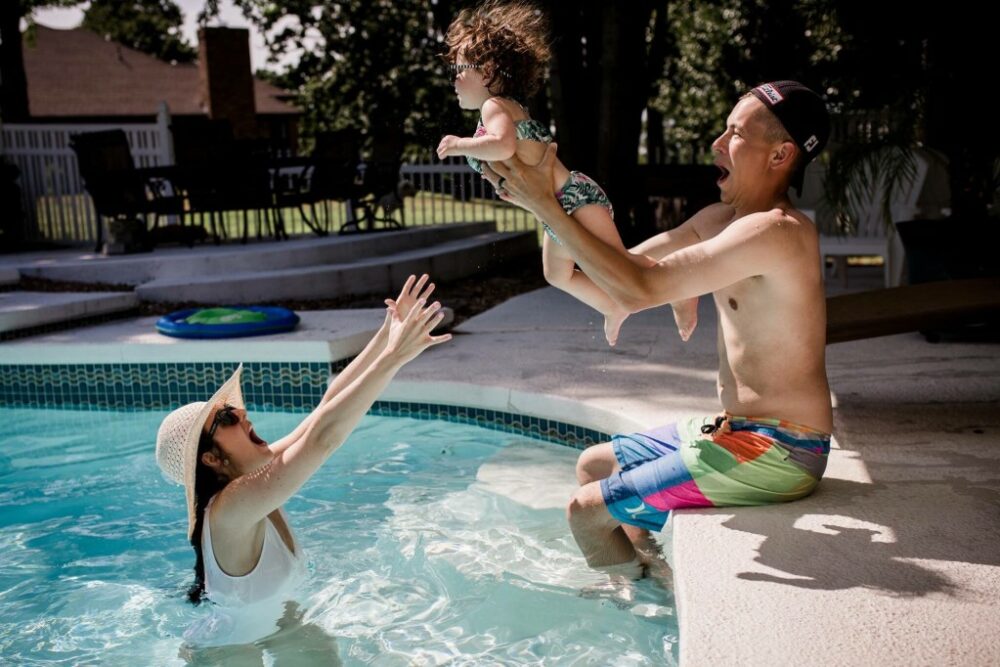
(750, 246)
(686, 234)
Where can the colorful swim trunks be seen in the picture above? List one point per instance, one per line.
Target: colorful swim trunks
(712, 462)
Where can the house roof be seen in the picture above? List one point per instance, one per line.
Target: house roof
(78, 73)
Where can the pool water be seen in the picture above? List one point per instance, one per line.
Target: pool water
(428, 543)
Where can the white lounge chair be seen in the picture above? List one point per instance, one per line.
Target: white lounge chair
(872, 236)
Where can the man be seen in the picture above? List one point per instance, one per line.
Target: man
(759, 259)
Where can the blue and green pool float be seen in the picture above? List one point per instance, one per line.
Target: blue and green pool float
(227, 322)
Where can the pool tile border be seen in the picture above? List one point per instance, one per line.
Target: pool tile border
(284, 386)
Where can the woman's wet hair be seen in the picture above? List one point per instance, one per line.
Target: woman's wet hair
(508, 41)
(206, 484)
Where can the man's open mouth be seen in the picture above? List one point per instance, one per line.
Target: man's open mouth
(723, 174)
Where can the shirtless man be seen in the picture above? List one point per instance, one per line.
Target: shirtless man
(759, 259)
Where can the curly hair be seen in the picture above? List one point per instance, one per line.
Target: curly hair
(509, 40)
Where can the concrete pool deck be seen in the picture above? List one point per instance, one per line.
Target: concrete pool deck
(895, 560)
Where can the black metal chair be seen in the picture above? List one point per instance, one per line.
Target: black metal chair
(381, 187)
(119, 190)
(329, 174)
(219, 174)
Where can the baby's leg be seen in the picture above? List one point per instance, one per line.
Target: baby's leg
(560, 271)
(685, 312)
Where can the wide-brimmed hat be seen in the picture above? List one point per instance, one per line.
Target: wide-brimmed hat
(177, 439)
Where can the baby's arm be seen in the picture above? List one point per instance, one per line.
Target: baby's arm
(498, 142)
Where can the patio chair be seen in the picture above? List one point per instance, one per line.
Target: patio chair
(220, 174)
(119, 191)
(871, 236)
(330, 174)
(381, 187)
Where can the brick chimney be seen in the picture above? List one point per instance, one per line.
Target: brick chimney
(225, 80)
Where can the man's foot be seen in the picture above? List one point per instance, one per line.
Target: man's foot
(612, 324)
(686, 317)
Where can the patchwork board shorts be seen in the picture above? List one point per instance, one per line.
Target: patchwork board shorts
(712, 462)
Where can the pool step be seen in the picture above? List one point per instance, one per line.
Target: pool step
(29, 310)
(224, 260)
(379, 274)
(9, 275)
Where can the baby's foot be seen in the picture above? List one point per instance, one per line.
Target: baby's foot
(612, 324)
(686, 317)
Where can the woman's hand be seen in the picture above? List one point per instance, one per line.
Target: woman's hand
(448, 146)
(411, 335)
(409, 295)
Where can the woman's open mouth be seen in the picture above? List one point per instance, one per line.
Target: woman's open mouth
(256, 439)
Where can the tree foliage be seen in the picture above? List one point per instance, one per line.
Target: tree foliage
(150, 26)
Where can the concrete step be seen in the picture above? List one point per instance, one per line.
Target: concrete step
(9, 275)
(25, 310)
(206, 260)
(368, 275)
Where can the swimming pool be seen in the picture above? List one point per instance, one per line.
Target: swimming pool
(428, 541)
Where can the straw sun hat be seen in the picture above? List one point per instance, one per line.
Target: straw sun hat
(177, 439)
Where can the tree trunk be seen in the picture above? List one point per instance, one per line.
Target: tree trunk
(574, 107)
(13, 83)
(624, 93)
(656, 149)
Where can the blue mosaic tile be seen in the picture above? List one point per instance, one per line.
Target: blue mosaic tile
(285, 387)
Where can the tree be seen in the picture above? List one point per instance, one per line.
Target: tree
(890, 77)
(150, 26)
(374, 66)
(599, 87)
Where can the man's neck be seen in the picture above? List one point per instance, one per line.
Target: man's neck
(763, 202)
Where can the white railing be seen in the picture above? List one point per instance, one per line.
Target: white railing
(460, 195)
(58, 208)
(55, 202)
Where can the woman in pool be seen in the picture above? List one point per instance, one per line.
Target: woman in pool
(236, 483)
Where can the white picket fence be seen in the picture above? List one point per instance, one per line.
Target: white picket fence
(57, 207)
(54, 200)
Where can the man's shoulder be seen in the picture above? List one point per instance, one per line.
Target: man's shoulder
(710, 220)
(776, 219)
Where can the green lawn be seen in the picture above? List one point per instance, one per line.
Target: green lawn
(56, 216)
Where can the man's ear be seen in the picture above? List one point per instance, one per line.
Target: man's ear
(784, 154)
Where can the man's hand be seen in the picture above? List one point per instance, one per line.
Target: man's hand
(491, 176)
(448, 146)
(526, 186)
(409, 295)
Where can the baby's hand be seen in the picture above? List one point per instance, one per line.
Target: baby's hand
(448, 146)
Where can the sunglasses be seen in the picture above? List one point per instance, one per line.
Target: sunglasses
(461, 67)
(226, 416)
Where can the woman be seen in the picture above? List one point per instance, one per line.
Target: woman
(236, 483)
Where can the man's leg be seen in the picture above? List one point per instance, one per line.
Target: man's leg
(599, 462)
(599, 535)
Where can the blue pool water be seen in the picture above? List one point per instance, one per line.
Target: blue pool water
(429, 543)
